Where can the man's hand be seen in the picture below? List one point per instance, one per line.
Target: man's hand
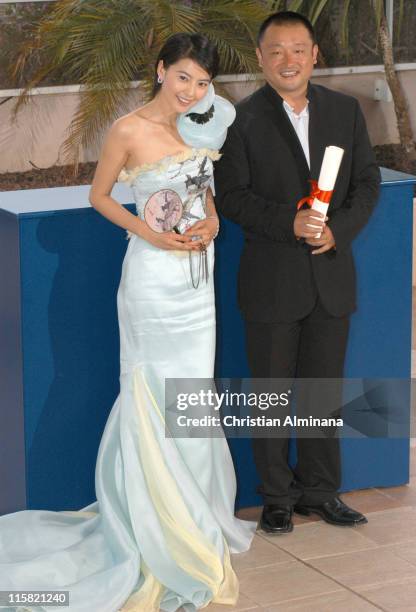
(308, 223)
(325, 242)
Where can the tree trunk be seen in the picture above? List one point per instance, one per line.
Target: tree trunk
(399, 99)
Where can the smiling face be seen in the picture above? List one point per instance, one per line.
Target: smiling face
(287, 55)
(184, 84)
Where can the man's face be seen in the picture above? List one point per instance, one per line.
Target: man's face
(287, 56)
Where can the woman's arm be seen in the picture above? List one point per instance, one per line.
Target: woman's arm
(208, 228)
(114, 154)
(211, 210)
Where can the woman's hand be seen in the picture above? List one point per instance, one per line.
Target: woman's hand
(169, 241)
(206, 230)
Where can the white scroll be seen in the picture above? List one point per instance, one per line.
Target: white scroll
(327, 178)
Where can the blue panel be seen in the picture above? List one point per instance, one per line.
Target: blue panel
(12, 448)
(69, 272)
(381, 329)
(231, 358)
(374, 462)
(71, 267)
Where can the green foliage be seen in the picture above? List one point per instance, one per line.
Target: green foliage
(17, 22)
(105, 44)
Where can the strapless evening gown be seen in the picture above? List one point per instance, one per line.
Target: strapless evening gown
(160, 533)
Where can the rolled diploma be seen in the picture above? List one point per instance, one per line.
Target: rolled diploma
(328, 176)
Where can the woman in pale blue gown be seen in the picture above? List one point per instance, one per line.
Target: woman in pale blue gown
(160, 533)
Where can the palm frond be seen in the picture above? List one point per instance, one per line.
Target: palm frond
(172, 17)
(236, 55)
(400, 20)
(378, 6)
(233, 25)
(316, 9)
(344, 23)
(108, 64)
(297, 6)
(87, 124)
(105, 44)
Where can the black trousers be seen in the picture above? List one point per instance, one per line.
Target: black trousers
(313, 347)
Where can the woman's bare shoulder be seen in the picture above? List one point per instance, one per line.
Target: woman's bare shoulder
(129, 125)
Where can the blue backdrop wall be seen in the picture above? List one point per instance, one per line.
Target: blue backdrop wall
(60, 266)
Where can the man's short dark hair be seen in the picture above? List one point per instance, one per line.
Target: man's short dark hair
(283, 18)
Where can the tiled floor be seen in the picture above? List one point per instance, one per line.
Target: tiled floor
(321, 568)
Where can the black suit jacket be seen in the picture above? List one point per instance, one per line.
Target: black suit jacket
(259, 180)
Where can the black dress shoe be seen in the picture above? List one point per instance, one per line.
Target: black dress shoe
(276, 519)
(334, 512)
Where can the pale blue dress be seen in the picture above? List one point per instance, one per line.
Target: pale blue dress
(160, 533)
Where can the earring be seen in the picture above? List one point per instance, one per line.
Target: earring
(159, 79)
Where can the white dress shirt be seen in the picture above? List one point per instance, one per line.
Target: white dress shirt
(301, 124)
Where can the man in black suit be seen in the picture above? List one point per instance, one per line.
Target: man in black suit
(296, 291)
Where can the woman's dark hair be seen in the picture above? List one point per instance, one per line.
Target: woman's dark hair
(283, 18)
(196, 47)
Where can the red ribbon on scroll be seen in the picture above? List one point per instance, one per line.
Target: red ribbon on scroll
(322, 196)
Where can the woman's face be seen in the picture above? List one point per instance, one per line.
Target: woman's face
(184, 83)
